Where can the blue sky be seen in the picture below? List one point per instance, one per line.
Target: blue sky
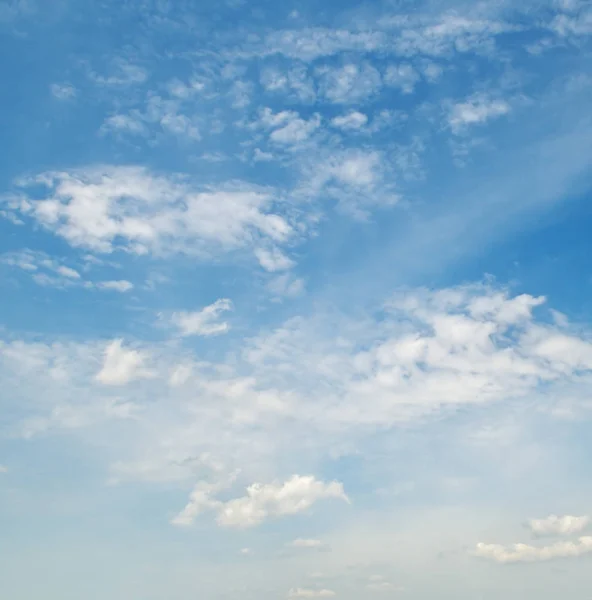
(294, 299)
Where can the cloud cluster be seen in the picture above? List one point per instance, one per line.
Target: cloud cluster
(52, 272)
(552, 525)
(261, 502)
(517, 553)
(129, 208)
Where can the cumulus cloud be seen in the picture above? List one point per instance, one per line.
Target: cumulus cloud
(128, 208)
(476, 110)
(517, 553)
(117, 285)
(306, 543)
(349, 84)
(310, 593)
(554, 525)
(205, 322)
(63, 91)
(261, 502)
(121, 366)
(273, 260)
(350, 121)
(402, 76)
(3, 469)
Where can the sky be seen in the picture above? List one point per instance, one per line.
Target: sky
(295, 299)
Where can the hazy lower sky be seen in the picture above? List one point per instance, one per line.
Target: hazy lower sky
(295, 299)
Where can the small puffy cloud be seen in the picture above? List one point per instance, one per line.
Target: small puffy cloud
(516, 553)
(306, 543)
(68, 272)
(296, 130)
(402, 76)
(204, 322)
(476, 110)
(554, 525)
(286, 285)
(380, 585)
(261, 502)
(310, 593)
(118, 285)
(349, 84)
(273, 260)
(130, 123)
(121, 366)
(351, 121)
(245, 551)
(63, 91)
(3, 469)
(288, 128)
(124, 73)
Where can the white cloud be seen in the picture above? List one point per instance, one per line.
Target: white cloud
(118, 285)
(306, 543)
(554, 525)
(315, 383)
(295, 131)
(3, 469)
(63, 91)
(402, 76)
(288, 128)
(108, 208)
(245, 551)
(349, 84)
(205, 322)
(121, 366)
(273, 260)
(68, 272)
(261, 502)
(381, 586)
(131, 123)
(124, 74)
(350, 121)
(50, 271)
(476, 110)
(310, 593)
(286, 285)
(516, 553)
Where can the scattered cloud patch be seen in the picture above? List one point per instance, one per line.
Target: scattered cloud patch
(261, 502)
(554, 525)
(63, 91)
(351, 121)
(310, 593)
(476, 110)
(121, 366)
(517, 553)
(205, 322)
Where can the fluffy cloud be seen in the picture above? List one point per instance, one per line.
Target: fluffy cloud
(63, 91)
(117, 285)
(349, 84)
(121, 366)
(525, 553)
(317, 382)
(402, 76)
(128, 208)
(350, 121)
(273, 260)
(261, 502)
(476, 110)
(50, 271)
(306, 543)
(554, 525)
(310, 593)
(205, 322)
